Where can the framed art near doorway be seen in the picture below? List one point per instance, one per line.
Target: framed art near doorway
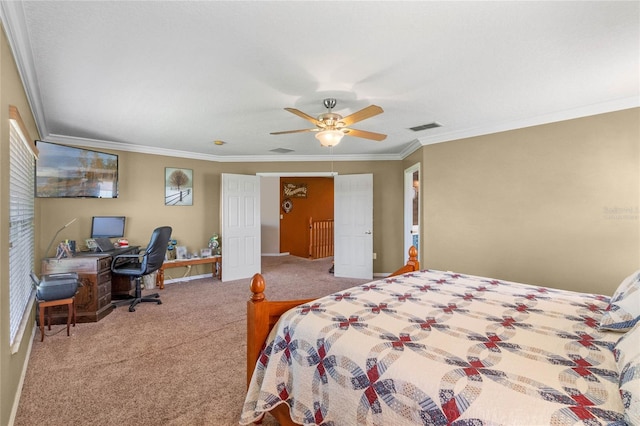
(178, 187)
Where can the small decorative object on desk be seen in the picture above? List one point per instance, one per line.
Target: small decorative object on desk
(181, 252)
(205, 252)
(171, 253)
(214, 244)
(63, 251)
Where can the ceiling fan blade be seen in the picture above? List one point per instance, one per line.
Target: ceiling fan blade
(294, 131)
(364, 113)
(303, 115)
(364, 134)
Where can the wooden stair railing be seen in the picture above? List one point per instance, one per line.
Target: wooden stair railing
(320, 238)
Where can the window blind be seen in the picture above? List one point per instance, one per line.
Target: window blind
(21, 229)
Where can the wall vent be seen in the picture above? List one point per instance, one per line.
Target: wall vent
(426, 126)
(281, 150)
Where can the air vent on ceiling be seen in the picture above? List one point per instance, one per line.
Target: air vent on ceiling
(426, 126)
(281, 150)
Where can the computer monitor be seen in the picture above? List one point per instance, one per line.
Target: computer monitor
(107, 227)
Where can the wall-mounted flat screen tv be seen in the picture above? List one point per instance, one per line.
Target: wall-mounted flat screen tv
(70, 172)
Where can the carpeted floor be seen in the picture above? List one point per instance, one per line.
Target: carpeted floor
(179, 363)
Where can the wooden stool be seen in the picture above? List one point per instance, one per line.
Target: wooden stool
(71, 315)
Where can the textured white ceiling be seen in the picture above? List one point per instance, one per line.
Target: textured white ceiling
(172, 76)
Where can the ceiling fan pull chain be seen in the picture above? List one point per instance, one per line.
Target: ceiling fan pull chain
(331, 155)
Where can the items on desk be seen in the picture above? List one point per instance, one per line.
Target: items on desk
(214, 244)
(91, 244)
(56, 235)
(181, 252)
(63, 250)
(171, 253)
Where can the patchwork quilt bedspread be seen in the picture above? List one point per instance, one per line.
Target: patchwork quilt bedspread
(439, 348)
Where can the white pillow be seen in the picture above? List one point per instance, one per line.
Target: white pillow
(624, 308)
(627, 355)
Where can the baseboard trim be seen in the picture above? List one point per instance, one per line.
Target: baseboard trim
(189, 278)
(275, 254)
(23, 374)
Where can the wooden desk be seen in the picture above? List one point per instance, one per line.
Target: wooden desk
(215, 261)
(93, 300)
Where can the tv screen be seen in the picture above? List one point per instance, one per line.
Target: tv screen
(70, 172)
(107, 227)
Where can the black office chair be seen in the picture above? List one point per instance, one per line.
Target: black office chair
(139, 265)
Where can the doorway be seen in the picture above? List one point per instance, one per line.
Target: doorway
(353, 210)
(302, 199)
(412, 207)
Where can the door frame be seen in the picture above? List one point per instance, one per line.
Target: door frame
(409, 190)
(277, 194)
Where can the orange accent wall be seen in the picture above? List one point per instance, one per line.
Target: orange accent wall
(294, 226)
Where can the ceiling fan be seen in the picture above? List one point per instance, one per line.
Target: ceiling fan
(331, 127)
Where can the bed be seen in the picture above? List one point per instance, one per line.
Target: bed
(437, 347)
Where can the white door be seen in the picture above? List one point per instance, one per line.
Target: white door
(353, 221)
(240, 210)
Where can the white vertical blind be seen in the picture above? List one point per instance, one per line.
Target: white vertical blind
(21, 227)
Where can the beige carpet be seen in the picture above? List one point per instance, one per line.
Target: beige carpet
(179, 363)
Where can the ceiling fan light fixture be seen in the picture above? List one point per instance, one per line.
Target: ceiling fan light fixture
(329, 137)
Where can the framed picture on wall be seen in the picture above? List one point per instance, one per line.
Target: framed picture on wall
(178, 187)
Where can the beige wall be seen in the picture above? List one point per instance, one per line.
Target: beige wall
(141, 200)
(537, 204)
(11, 365)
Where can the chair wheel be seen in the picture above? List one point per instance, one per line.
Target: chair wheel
(159, 302)
(132, 309)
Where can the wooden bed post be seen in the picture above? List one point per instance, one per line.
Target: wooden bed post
(262, 315)
(257, 320)
(412, 264)
(413, 258)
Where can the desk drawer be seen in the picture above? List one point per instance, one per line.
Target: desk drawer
(104, 263)
(104, 301)
(104, 277)
(104, 289)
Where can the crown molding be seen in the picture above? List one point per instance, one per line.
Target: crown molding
(595, 109)
(142, 149)
(13, 21)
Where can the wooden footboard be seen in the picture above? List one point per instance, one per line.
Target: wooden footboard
(263, 314)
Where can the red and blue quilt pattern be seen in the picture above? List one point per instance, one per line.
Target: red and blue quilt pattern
(439, 348)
